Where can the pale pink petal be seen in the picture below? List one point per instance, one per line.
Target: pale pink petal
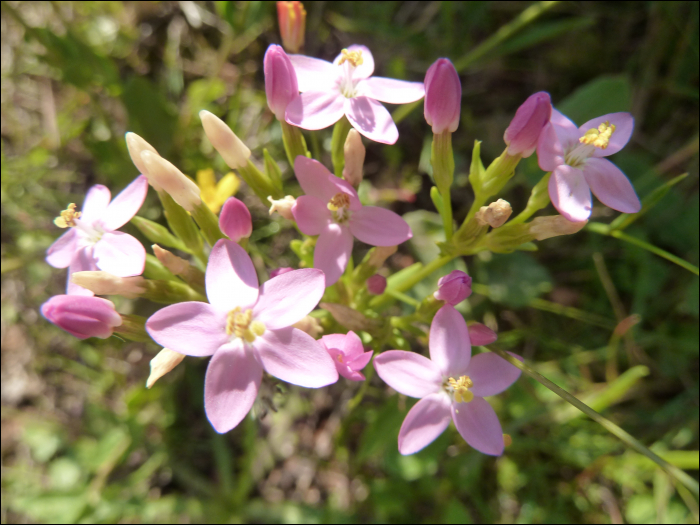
(450, 349)
(365, 69)
(343, 366)
(611, 186)
(311, 214)
(550, 152)
(315, 109)
(230, 386)
(408, 373)
(478, 424)
(120, 254)
(392, 91)
(313, 73)
(96, 202)
(126, 204)
(352, 346)
(83, 261)
(231, 280)
(315, 179)
(333, 341)
(332, 253)
(360, 361)
(424, 423)
(293, 356)
(61, 252)
(371, 119)
(624, 126)
(481, 335)
(289, 297)
(379, 226)
(491, 374)
(190, 328)
(569, 193)
(565, 129)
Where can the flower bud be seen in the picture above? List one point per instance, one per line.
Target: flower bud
(525, 128)
(235, 220)
(380, 254)
(354, 158)
(176, 265)
(280, 271)
(454, 287)
(292, 19)
(225, 141)
(103, 283)
(82, 316)
(136, 145)
(553, 226)
(376, 284)
(283, 206)
(495, 214)
(309, 325)
(443, 96)
(163, 363)
(165, 175)
(280, 80)
(480, 334)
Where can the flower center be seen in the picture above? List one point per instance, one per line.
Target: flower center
(240, 324)
(346, 85)
(600, 137)
(354, 57)
(67, 217)
(339, 205)
(459, 389)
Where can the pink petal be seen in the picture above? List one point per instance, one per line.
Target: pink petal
(293, 356)
(82, 262)
(61, 252)
(379, 226)
(371, 119)
(231, 280)
(624, 126)
(424, 423)
(491, 374)
(190, 328)
(360, 361)
(611, 186)
(565, 129)
(332, 253)
(96, 202)
(315, 109)
(343, 367)
(365, 69)
(478, 424)
(318, 182)
(126, 204)
(230, 386)
(289, 297)
(311, 214)
(352, 345)
(550, 152)
(120, 254)
(450, 349)
(408, 373)
(333, 341)
(481, 335)
(569, 192)
(313, 73)
(392, 91)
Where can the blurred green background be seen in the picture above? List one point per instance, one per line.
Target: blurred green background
(84, 441)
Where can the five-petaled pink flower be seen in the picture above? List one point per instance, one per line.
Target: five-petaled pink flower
(332, 210)
(348, 354)
(347, 87)
(451, 385)
(91, 242)
(246, 329)
(574, 156)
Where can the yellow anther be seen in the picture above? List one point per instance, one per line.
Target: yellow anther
(600, 138)
(67, 217)
(340, 358)
(241, 325)
(354, 57)
(339, 200)
(460, 388)
(257, 328)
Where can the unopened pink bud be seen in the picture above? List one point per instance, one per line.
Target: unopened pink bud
(443, 96)
(280, 271)
(454, 288)
(280, 80)
(480, 334)
(82, 316)
(235, 220)
(376, 284)
(292, 19)
(525, 128)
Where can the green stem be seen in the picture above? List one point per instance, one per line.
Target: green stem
(403, 298)
(294, 143)
(539, 198)
(443, 163)
(340, 133)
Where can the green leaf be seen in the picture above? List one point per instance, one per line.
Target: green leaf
(150, 114)
(603, 95)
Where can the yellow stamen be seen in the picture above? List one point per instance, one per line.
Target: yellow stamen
(67, 217)
(339, 200)
(460, 387)
(241, 325)
(354, 57)
(600, 138)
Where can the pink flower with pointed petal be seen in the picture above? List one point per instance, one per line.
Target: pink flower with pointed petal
(246, 329)
(450, 385)
(574, 156)
(348, 354)
(82, 316)
(91, 242)
(332, 210)
(347, 87)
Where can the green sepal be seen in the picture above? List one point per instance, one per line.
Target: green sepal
(158, 234)
(272, 170)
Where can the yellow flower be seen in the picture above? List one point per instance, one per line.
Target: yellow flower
(215, 194)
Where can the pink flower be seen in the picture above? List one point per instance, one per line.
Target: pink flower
(246, 329)
(450, 385)
(443, 96)
(82, 316)
(346, 87)
(454, 287)
(348, 354)
(91, 241)
(280, 80)
(234, 220)
(524, 130)
(573, 155)
(332, 210)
